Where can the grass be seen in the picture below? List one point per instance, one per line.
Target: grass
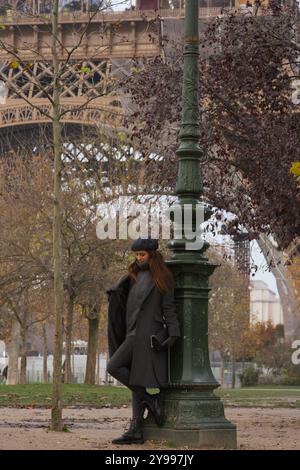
(39, 395)
(286, 396)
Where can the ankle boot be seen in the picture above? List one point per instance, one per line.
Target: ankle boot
(155, 406)
(134, 435)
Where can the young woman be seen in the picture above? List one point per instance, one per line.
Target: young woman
(141, 305)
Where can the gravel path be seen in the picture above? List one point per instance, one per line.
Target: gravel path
(89, 428)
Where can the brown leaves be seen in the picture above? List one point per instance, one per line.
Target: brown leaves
(249, 129)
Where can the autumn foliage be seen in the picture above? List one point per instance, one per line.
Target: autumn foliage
(249, 126)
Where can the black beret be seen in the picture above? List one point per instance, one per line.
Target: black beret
(144, 244)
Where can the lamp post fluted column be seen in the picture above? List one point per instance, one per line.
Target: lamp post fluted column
(194, 415)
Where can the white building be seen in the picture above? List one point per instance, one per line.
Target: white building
(264, 305)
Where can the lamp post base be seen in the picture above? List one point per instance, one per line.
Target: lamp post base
(199, 438)
(194, 418)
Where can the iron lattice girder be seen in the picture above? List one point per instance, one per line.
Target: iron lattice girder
(35, 80)
(33, 83)
(105, 50)
(101, 110)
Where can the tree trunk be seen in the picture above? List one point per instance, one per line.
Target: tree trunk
(23, 351)
(69, 328)
(13, 347)
(45, 355)
(222, 371)
(56, 412)
(233, 370)
(291, 317)
(90, 372)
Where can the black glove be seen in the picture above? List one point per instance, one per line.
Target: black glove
(168, 343)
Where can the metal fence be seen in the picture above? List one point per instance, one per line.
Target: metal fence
(78, 362)
(34, 372)
(227, 372)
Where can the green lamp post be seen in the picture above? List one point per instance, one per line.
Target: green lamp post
(194, 415)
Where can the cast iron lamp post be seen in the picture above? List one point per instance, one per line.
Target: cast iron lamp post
(194, 415)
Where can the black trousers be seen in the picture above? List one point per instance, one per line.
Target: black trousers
(119, 367)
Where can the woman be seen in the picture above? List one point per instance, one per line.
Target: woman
(140, 305)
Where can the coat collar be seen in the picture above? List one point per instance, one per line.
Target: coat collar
(148, 291)
(123, 285)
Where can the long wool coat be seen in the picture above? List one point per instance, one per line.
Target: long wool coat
(149, 367)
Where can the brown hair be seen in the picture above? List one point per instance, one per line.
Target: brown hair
(162, 275)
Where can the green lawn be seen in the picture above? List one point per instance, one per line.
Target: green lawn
(73, 395)
(101, 396)
(264, 395)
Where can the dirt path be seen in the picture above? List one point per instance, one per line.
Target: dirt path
(258, 428)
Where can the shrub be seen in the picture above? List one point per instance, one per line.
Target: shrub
(288, 380)
(269, 379)
(249, 376)
(290, 375)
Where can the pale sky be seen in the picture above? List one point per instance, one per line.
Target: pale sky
(256, 258)
(262, 274)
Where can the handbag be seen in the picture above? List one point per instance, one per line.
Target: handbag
(158, 339)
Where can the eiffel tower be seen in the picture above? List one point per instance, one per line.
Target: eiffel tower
(94, 49)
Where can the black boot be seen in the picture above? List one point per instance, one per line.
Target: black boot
(134, 435)
(155, 406)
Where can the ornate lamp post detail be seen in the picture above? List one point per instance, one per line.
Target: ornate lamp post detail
(194, 415)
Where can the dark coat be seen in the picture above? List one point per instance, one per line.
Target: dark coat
(149, 367)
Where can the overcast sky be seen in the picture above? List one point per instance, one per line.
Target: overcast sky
(262, 274)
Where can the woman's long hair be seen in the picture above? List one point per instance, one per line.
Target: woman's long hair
(162, 275)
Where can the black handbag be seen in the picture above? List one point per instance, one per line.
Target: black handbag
(158, 339)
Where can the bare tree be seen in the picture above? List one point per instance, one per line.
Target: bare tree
(229, 312)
